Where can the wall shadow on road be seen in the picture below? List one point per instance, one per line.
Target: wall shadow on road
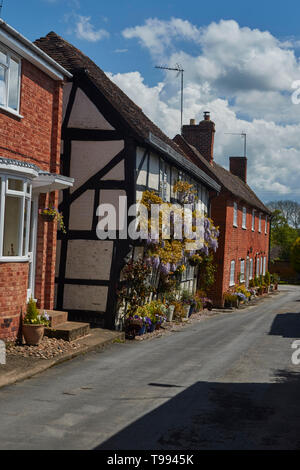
(286, 325)
(210, 415)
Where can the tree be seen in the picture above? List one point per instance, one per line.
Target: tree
(295, 255)
(282, 234)
(289, 209)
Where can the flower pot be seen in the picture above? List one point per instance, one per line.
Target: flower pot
(33, 334)
(191, 310)
(48, 217)
(170, 312)
(186, 309)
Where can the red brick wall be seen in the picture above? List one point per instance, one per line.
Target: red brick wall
(34, 139)
(13, 291)
(235, 242)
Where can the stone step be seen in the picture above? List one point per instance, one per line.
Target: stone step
(56, 317)
(68, 331)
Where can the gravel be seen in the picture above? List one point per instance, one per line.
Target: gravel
(47, 349)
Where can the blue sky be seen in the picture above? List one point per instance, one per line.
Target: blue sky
(240, 60)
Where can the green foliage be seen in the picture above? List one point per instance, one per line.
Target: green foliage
(207, 270)
(267, 278)
(295, 255)
(282, 234)
(136, 288)
(33, 316)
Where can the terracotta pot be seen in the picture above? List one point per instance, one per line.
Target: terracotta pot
(33, 334)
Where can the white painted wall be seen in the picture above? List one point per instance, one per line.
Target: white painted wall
(85, 115)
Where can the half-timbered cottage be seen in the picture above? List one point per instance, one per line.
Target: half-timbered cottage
(111, 149)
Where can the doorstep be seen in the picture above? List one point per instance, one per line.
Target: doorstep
(19, 368)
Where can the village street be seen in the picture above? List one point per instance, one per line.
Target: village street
(224, 383)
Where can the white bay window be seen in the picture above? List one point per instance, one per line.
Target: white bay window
(15, 208)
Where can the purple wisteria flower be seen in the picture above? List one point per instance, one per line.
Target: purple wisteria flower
(155, 261)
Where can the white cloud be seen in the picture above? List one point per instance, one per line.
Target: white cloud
(243, 76)
(85, 30)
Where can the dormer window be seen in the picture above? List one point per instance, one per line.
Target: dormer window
(253, 220)
(10, 72)
(235, 214)
(244, 218)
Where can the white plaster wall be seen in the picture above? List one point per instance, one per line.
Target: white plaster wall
(116, 173)
(89, 259)
(81, 211)
(154, 172)
(78, 297)
(90, 157)
(85, 115)
(111, 196)
(142, 176)
(66, 95)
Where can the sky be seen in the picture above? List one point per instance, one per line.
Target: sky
(240, 61)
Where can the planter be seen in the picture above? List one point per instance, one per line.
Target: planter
(151, 327)
(191, 310)
(142, 331)
(186, 309)
(48, 217)
(170, 312)
(33, 334)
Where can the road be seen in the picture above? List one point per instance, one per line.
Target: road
(224, 383)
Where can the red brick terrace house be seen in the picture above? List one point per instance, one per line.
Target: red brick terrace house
(30, 126)
(243, 219)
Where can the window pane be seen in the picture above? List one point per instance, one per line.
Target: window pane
(13, 85)
(2, 86)
(16, 185)
(11, 226)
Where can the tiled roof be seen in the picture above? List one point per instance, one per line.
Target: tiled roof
(74, 60)
(225, 178)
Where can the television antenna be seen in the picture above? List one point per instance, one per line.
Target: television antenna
(178, 68)
(242, 134)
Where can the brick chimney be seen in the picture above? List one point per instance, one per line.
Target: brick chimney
(238, 167)
(201, 136)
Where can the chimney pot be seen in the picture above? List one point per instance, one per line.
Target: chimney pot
(192, 122)
(206, 116)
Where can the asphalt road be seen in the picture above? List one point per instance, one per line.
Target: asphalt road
(225, 383)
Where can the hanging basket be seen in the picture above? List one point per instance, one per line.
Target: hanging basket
(48, 217)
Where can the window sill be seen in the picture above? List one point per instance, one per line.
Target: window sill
(244, 228)
(11, 111)
(234, 225)
(14, 259)
(231, 285)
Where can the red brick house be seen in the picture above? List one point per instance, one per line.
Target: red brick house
(30, 127)
(243, 219)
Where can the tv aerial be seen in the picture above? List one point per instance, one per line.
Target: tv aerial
(178, 68)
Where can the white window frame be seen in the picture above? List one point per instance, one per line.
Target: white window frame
(235, 214)
(10, 55)
(261, 265)
(242, 271)
(266, 225)
(244, 223)
(259, 223)
(25, 199)
(264, 265)
(251, 268)
(257, 266)
(232, 273)
(253, 220)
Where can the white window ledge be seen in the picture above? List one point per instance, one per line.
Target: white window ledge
(234, 225)
(14, 259)
(11, 111)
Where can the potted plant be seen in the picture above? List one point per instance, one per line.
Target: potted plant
(34, 324)
(170, 300)
(186, 299)
(49, 214)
